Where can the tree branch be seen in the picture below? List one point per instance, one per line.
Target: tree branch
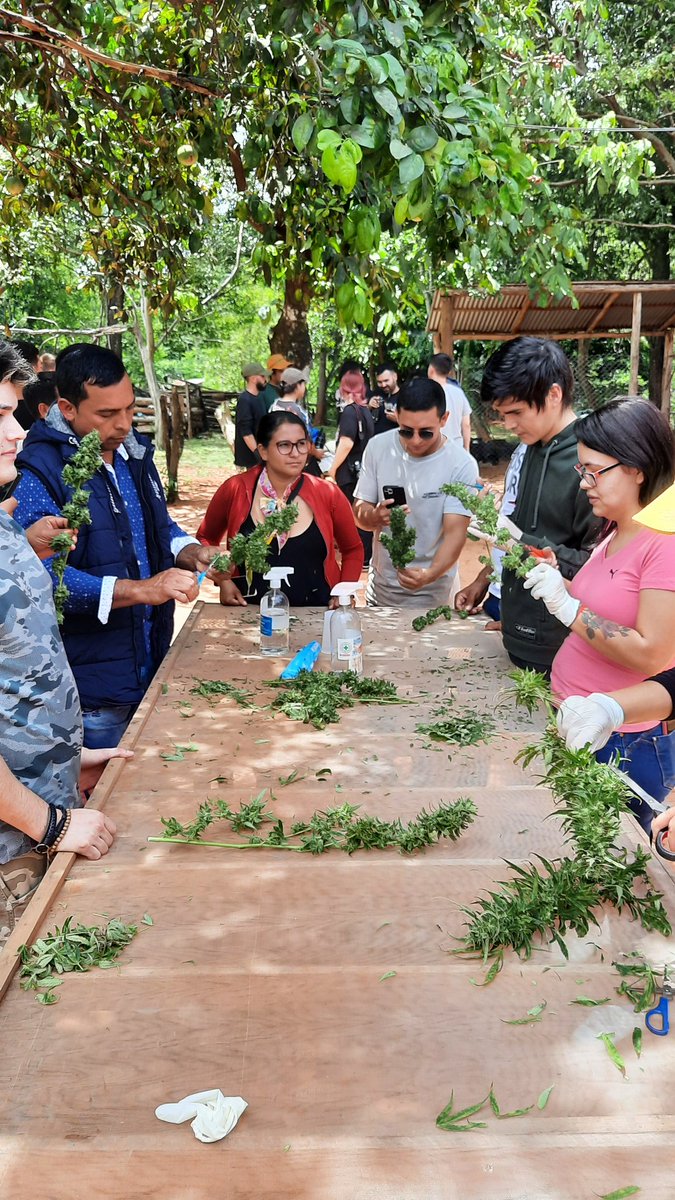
(102, 331)
(222, 287)
(54, 42)
(638, 127)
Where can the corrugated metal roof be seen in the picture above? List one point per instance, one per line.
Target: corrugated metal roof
(604, 309)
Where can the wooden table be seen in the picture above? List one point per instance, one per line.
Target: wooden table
(263, 972)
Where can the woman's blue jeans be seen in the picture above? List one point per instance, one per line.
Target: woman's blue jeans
(648, 758)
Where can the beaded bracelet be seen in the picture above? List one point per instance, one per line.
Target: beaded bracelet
(62, 831)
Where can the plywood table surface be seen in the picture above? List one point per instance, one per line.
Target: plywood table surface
(264, 972)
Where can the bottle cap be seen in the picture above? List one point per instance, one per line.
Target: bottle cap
(276, 574)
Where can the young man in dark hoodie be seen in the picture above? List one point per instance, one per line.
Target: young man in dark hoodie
(529, 383)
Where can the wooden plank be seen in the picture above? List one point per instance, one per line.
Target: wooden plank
(667, 375)
(602, 311)
(633, 386)
(264, 972)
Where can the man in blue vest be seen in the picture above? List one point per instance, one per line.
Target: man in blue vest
(132, 563)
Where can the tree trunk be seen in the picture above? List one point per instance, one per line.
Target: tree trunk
(659, 255)
(114, 303)
(290, 335)
(172, 413)
(321, 391)
(587, 390)
(145, 340)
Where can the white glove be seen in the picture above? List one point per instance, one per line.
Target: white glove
(589, 720)
(513, 531)
(215, 1115)
(547, 584)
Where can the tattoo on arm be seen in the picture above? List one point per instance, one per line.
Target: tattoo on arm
(595, 624)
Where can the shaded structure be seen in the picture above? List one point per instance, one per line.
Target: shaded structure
(596, 310)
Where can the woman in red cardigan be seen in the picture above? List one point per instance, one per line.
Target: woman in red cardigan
(325, 518)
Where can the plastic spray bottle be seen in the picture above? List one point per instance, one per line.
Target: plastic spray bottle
(275, 613)
(345, 632)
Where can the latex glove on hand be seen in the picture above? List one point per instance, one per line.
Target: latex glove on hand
(547, 584)
(589, 720)
(513, 531)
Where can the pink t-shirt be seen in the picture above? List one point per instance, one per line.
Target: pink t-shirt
(611, 586)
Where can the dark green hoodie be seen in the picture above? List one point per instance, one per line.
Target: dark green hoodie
(552, 510)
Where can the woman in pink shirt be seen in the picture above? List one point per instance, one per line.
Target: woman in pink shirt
(620, 607)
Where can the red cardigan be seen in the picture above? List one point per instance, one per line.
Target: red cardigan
(231, 505)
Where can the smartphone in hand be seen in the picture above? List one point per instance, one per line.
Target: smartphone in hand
(394, 492)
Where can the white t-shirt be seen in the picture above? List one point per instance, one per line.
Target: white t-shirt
(457, 407)
(386, 462)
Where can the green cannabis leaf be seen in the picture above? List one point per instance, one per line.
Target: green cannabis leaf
(400, 542)
(218, 687)
(622, 1193)
(316, 697)
(544, 900)
(253, 551)
(434, 614)
(77, 472)
(71, 948)
(464, 729)
(608, 1043)
(341, 828)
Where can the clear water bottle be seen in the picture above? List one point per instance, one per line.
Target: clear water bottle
(345, 632)
(275, 614)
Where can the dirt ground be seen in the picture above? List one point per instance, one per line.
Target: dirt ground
(195, 494)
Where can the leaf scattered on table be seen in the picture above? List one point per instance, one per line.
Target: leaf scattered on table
(621, 1194)
(533, 1016)
(389, 975)
(608, 1043)
(493, 972)
(637, 1040)
(587, 1002)
(544, 1098)
(165, 689)
(147, 919)
(323, 772)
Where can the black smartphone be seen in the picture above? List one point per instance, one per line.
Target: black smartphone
(392, 491)
(7, 490)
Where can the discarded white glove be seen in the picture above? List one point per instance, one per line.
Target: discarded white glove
(589, 720)
(215, 1115)
(513, 531)
(547, 584)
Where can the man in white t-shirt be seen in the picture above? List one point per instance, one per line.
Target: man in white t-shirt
(415, 459)
(442, 369)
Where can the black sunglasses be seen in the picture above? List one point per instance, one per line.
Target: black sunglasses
(425, 434)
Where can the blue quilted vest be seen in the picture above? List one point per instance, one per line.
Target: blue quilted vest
(109, 661)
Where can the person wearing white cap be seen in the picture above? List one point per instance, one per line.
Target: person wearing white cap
(293, 385)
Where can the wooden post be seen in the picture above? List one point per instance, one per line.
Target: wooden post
(667, 377)
(633, 387)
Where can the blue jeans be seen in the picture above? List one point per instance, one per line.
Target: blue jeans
(106, 726)
(648, 758)
(492, 607)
